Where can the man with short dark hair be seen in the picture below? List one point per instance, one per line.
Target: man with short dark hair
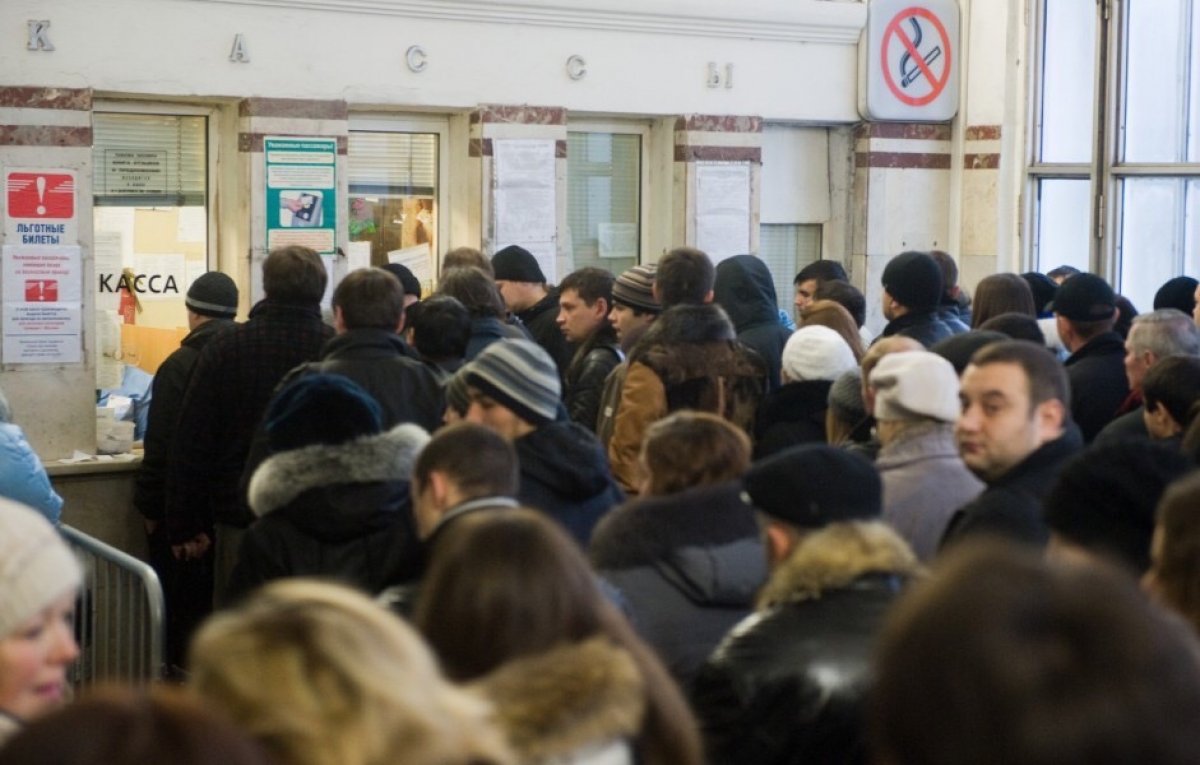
(1171, 389)
(812, 277)
(1014, 434)
(912, 290)
(231, 384)
(526, 294)
(585, 299)
(1085, 311)
(633, 312)
(954, 308)
(685, 276)
(439, 329)
(1153, 337)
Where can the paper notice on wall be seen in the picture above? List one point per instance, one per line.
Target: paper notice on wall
(618, 240)
(359, 255)
(106, 254)
(723, 209)
(43, 305)
(524, 211)
(109, 365)
(193, 224)
(416, 259)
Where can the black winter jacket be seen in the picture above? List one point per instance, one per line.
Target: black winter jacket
(584, 386)
(565, 475)
(1098, 383)
(541, 319)
(787, 686)
(486, 330)
(166, 398)
(688, 566)
(1011, 506)
(744, 288)
(926, 328)
(340, 512)
(790, 416)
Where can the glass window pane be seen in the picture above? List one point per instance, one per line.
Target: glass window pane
(1193, 117)
(1155, 81)
(604, 199)
(1068, 81)
(786, 248)
(393, 196)
(1063, 218)
(1153, 212)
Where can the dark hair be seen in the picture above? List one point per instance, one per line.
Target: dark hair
(684, 275)
(370, 298)
(1002, 657)
(294, 275)
(846, 295)
(1043, 373)
(479, 462)
(465, 257)
(949, 270)
(1063, 271)
(122, 726)
(688, 448)
(590, 284)
(511, 583)
(1173, 382)
(475, 290)
(1175, 568)
(409, 280)
(998, 294)
(822, 271)
(1126, 313)
(1018, 326)
(829, 313)
(441, 328)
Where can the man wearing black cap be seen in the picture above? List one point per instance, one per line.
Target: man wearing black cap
(527, 295)
(211, 306)
(1085, 310)
(788, 683)
(912, 291)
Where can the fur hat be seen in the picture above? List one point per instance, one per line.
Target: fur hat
(321, 409)
(914, 280)
(915, 384)
(521, 376)
(634, 288)
(36, 566)
(813, 485)
(1085, 297)
(517, 264)
(816, 352)
(213, 294)
(1105, 498)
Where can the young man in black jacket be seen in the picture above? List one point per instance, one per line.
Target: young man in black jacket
(584, 300)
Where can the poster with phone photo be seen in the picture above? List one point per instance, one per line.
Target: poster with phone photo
(301, 194)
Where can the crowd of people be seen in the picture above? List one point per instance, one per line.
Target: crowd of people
(642, 518)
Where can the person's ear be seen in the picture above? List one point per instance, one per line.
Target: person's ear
(1051, 417)
(439, 487)
(779, 542)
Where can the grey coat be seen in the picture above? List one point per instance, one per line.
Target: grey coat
(924, 483)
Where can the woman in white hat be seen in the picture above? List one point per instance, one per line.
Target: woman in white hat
(39, 580)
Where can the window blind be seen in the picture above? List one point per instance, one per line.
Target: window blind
(149, 160)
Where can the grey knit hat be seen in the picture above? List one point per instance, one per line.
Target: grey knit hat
(457, 397)
(519, 375)
(635, 288)
(845, 397)
(213, 294)
(36, 566)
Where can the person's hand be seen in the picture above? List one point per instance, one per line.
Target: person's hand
(193, 549)
(291, 203)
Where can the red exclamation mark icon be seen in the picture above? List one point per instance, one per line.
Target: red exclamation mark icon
(41, 189)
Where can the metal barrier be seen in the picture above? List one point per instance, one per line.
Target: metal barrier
(120, 617)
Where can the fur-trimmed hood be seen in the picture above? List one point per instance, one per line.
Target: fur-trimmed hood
(576, 696)
(379, 458)
(835, 557)
(686, 324)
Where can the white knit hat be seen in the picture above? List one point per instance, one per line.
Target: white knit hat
(817, 352)
(36, 566)
(912, 385)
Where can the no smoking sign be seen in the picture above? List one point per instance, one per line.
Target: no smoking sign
(909, 61)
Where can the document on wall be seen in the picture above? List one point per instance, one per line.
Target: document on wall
(723, 209)
(43, 305)
(523, 198)
(418, 259)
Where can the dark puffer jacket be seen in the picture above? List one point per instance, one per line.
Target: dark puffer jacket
(925, 327)
(340, 511)
(688, 566)
(541, 319)
(584, 385)
(564, 474)
(1099, 385)
(745, 290)
(790, 416)
(789, 683)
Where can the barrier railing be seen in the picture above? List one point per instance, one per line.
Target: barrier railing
(120, 618)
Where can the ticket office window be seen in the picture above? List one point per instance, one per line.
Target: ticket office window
(394, 180)
(605, 176)
(151, 231)
(1114, 173)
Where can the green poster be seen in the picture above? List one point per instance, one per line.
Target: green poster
(302, 193)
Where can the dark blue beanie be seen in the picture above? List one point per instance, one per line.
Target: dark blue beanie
(321, 409)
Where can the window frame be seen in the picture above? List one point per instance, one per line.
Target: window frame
(641, 129)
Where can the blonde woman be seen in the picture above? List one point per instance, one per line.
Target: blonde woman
(321, 675)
